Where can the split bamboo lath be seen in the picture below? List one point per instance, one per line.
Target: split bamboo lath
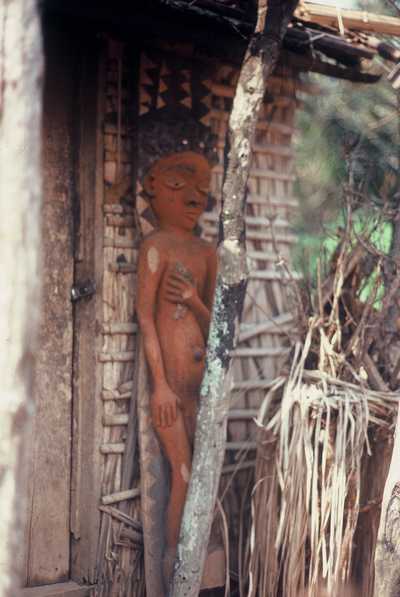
(120, 570)
(266, 320)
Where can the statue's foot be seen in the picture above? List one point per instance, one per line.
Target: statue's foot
(168, 564)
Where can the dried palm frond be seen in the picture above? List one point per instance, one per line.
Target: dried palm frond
(307, 494)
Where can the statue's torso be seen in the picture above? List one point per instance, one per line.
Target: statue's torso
(180, 336)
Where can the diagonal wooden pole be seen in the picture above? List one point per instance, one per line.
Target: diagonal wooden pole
(20, 198)
(258, 64)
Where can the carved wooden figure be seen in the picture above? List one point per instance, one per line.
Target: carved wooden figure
(176, 281)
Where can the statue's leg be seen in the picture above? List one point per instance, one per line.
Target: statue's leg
(190, 418)
(176, 445)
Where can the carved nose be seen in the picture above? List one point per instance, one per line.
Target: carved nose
(194, 202)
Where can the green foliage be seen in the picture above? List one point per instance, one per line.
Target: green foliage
(347, 135)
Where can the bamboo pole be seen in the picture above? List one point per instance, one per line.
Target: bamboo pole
(120, 496)
(258, 64)
(356, 20)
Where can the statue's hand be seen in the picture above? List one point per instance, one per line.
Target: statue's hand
(180, 290)
(164, 404)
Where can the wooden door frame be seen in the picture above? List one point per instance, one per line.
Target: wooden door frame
(87, 429)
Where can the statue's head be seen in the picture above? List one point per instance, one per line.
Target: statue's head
(175, 155)
(178, 186)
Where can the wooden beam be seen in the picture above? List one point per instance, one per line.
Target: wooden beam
(315, 65)
(88, 384)
(356, 20)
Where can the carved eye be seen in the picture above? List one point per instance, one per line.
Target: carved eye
(204, 186)
(174, 183)
(203, 189)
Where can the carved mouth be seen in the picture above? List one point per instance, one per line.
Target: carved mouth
(192, 214)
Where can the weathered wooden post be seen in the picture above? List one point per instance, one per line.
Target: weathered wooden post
(258, 64)
(20, 197)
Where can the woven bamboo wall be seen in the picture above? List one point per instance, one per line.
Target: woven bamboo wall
(120, 546)
(266, 317)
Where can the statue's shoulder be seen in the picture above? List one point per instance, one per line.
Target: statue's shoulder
(157, 238)
(206, 247)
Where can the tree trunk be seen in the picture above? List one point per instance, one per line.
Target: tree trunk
(259, 62)
(20, 196)
(387, 551)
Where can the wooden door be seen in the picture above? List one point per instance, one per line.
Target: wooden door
(47, 556)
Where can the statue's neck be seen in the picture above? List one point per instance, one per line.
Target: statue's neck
(176, 231)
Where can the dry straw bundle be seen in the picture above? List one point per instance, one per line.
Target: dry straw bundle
(314, 426)
(306, 498)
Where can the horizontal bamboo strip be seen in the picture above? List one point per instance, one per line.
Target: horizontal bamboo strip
(272, 149)
(267, 149)
(115, 395)
(117, 357)
(252, 220)
(277, 127)
(122, 419)
(131, 535)
(120, 496)
(117, 448)
(274, 275)
(263, 173)
(126, 386)
(122, 517)
(284, 81)
(222, 90)
(113, 420)
(262, 256)
(112, 129)
(120, 221)
(240, 466)
(242, 414)
(246, 445)
(253, 199)
(248, 331)
(286, 239)
(119, 243)
(265, 351)
(122, 268)
(265, 235)
(113, 208)
(119, 328)
(252, 384)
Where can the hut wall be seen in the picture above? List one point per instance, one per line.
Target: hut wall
(260, 352)
(47, 554)
(119, 551)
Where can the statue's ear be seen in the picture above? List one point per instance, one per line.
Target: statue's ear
(148, 184)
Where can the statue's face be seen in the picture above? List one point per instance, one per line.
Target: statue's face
(179, 186)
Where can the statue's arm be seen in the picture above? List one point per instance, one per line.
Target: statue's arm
(202, 308)
(212, 267)
(150, 269)
(180, 290)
